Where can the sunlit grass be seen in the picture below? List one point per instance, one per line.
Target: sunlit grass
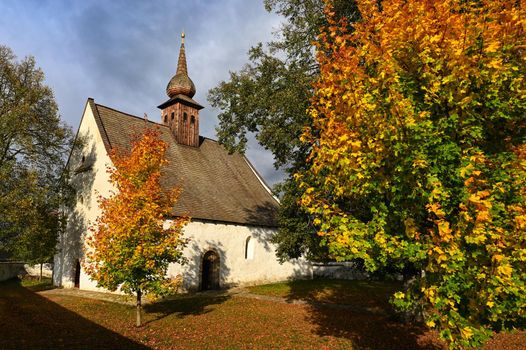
(332, 291)
(35, 284)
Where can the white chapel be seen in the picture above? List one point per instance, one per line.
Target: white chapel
(233, 213)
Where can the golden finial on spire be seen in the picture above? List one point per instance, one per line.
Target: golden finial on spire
(182, 37)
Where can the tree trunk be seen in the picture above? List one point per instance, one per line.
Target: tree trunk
(139, 294)
(40, 278)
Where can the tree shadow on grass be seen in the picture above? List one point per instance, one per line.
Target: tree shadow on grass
(30, 321)
(181, 306)
(359, 311)
(369, 331)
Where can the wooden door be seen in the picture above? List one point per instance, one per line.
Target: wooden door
(210, 271)
(77, 274)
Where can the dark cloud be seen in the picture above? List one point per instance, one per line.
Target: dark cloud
(123, 53)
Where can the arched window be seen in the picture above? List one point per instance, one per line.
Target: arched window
(185, 117)
(249, 249)
(166, 119)
(173, 115)
(192, 120)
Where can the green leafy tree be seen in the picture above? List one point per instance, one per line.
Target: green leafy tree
(132, 244)
(33, 147)
(418, 156)
(269, 97)
(37, 244)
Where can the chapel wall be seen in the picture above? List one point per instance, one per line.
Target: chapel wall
(91, 181)
(229, 242)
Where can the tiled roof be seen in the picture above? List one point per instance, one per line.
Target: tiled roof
(216, 186)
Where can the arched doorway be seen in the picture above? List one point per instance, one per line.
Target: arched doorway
(77, 274)
(210, 271)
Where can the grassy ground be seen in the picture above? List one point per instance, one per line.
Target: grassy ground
(359, 293)
(35, 284)
(46, 319)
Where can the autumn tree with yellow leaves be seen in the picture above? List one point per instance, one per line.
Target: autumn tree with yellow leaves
(418, 156)
(132, 243)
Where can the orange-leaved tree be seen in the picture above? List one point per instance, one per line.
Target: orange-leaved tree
(418, 156)
(135, 238)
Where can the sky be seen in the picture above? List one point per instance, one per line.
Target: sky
(122, 53)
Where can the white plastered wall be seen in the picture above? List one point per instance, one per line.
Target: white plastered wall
(229, 242)
(88, 185)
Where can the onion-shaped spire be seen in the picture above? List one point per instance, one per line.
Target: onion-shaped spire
(181, 82)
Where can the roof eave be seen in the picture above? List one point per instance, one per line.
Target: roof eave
(182, 99)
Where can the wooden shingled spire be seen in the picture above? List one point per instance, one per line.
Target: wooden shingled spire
(181, 82)
(181, 112)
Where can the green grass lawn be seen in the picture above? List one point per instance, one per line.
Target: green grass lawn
(47, 319)
(358, 293)
(35, 284)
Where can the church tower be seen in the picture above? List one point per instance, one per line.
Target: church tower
(181, 112)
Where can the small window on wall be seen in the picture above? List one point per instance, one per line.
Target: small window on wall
(249, 249)
(166, 119)
(185, 118)
(173, 115)
(192, 120)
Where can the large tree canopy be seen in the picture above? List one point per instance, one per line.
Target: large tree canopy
(419, 157)
(33, 147)
(269, 97)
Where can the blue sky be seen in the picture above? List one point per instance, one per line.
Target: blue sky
(123, 53)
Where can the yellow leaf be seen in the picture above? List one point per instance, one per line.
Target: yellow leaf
(344, 137)
(466, 332)
(492, 47)
(505, 270)
(497, 257)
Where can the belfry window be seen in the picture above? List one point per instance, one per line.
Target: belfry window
(192, 120)
(185, 118)
(173, 115)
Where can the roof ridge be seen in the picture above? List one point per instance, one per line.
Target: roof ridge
(148, 120)
(130, 115)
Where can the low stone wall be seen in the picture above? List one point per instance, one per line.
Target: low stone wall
(338, 270)
(34, 270)
(349, 270)
(10, 269)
